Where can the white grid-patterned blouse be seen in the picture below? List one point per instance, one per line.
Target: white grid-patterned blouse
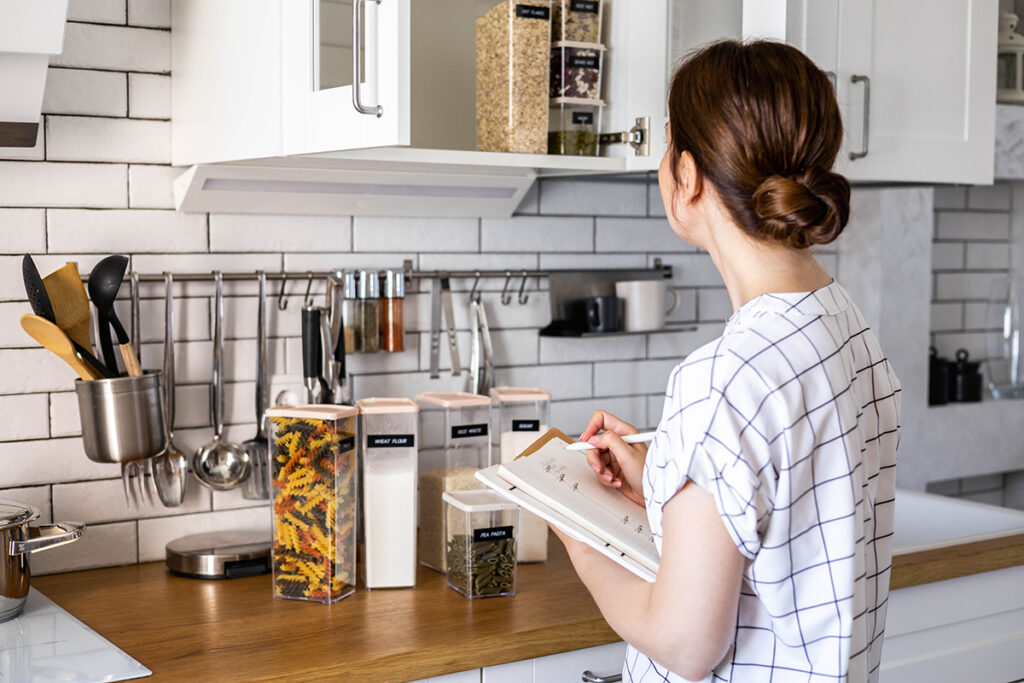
(790, 420)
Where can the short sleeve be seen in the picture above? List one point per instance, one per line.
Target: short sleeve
(701, 439)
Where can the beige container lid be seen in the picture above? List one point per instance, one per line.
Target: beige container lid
(482, 500)
(453, 399)
(513, 394)
(313, 412)
(386, 405)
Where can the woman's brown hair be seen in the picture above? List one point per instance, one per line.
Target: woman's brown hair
(762, 124)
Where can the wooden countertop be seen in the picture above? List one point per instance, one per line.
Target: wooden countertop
(187, 629)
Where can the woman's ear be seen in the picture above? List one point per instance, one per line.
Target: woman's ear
(691, 182)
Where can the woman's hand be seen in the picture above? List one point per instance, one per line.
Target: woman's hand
(617, 464)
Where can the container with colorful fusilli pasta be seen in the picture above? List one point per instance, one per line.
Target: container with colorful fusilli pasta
(313, 471)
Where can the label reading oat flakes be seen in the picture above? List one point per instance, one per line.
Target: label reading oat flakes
(583, 62)
(533, 12)
(588, 6)
(583, 118)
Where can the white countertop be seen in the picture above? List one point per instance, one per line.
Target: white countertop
(925, 521)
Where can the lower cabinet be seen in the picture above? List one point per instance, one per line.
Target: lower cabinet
(567, 667)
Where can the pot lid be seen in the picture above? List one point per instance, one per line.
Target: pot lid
(13, 513)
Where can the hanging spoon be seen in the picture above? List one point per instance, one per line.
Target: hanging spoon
(170, 467)
(255, 487)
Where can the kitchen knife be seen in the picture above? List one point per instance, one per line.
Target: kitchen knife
(328, 370)
(487, 361)
(435, 329)
(449, 316)
(474, 347)
(311, 352)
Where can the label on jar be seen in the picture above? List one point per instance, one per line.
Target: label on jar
(533, 12)
(348, 444)
(583, 118)
(493, 534)
(525, 425)
(588, 6)
(583, 62)
(465, 431)
(390, 440)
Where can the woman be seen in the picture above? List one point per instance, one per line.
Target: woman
(769, 486)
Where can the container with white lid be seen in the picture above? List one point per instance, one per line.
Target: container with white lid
(313, 473)
(387, 466)
(481, 543)
(521, 417)
(454, 444)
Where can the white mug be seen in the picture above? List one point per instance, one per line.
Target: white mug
(644, 301)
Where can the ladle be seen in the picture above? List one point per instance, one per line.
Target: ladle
(219, 464)
(170, 467)
(104, 281)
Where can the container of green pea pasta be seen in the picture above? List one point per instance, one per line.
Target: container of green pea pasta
(574, 126)
(481, 543)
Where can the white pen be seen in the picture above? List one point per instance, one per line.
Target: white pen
(643, 437)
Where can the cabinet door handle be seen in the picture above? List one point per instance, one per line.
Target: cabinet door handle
(832, 77)
(591, 677)
(357, 63)
(867, 114)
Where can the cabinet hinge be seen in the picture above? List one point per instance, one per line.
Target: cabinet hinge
(638, 137)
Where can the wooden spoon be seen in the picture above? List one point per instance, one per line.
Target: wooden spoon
(56, 340)
(70, 303)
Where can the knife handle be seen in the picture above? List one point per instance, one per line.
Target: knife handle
(311, 344)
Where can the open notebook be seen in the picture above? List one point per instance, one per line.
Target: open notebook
(559, 486)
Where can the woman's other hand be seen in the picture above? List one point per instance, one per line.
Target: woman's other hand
(617, 464)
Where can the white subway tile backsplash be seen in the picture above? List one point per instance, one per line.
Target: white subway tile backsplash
(34, 370)
(713, 304)
(22, 230)
(115, 48)
(81, 91)
(678, 345)
(992, 197)
(655, 205)
(470, 262)
(154, 13)
(634, 377)
(53, 461)
(651, 235)
(151, 186)
(97, 11)
(950, 197)
(233, 500)
(408, 235)
(686, 308)
(95, 502)
(11, 334)
(237, 232)
(119, 231)
(536, 312)
(25, 417)
(63, 184)
(205, 263)
(572, 417)
(91, 138)
(947, 317)
(341, 261)
(591, 261)
(988, 256)
(574, 350)
(977, 316)
(191, 319)
(972, 225)
(976, 343)
(149, 96)
(691, 270)
(947, 255)
(36, 496)
(531, 233)
(64, 419)
(962, 286)
(156, 533)
(102, 545)
(564, 381)
(593, 197)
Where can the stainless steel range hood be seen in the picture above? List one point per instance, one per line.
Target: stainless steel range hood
(30, 31)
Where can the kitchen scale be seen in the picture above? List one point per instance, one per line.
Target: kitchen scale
(219, 555)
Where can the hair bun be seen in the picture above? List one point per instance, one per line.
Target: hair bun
(803, 210)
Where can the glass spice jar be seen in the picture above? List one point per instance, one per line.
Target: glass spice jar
(348, 309)
(367, 312)
(392, 324)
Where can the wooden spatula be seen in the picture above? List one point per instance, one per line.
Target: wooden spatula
(70, 303)
(56, 340)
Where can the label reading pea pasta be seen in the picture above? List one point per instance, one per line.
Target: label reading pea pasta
(533, 12)
(466, 431)
(588, 6)
(492, 534)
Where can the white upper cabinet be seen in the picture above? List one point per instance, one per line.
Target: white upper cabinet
(915, 80)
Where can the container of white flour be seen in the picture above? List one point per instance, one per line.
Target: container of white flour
(521, 417)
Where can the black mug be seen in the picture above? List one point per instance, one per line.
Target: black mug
(601, 313)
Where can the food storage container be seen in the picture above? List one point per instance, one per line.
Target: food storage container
(481, 543)
(577, 20)
(387, 467)
(454, 443)
(313, 470)
(513, 43)
(574, 126)
(576, 70)
(521, 417)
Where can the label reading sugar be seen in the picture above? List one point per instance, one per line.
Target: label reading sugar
(525, 425)
(390, 440)
(583, 62)
(348, 444)
(583, 118)
(588, 6)
(533, 12)
(465, 431)
(493, 534)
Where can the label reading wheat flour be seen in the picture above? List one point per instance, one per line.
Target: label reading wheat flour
(525, 425)
(493, 534)
(390, 440)
(583, 118)
(533, 12)
(466, 431)
(588, 6)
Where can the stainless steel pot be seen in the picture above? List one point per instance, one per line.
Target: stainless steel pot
(17, 541)
(122, 417)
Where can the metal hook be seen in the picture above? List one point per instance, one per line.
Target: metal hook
(309, 287)
(473, 294)
(506, 297)
(282, 302)
(523, 296)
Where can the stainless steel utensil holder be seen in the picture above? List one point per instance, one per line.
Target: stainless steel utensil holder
(122, 417)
